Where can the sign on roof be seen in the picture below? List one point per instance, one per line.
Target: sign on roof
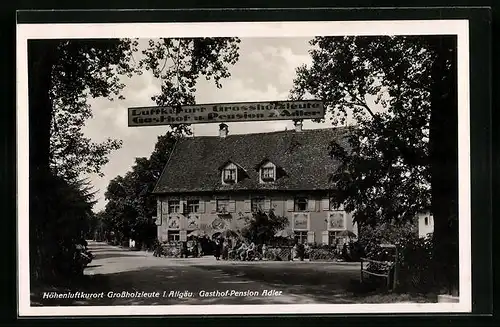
(226, 112)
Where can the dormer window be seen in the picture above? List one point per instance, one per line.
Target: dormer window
(267, 174)
(229, 175)
(267, 171)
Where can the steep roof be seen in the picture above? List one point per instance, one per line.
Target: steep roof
(303, 156)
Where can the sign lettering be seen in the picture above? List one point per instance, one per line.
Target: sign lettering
(226, 112)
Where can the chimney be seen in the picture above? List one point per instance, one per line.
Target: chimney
(223, 130)
(298, 125)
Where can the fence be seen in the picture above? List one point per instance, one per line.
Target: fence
(323, 254)
(281, 253)
(171, 250)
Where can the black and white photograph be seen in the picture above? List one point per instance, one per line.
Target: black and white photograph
(229, 168)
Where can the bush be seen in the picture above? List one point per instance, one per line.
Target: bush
(262, 227)
(356, 251)
(416, 271)
(415, 264)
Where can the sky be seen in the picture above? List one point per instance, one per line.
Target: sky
(264, 72)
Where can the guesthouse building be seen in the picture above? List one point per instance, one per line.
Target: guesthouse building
(211, 183)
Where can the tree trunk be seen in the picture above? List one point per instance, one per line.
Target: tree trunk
(444, 162)
(41, 58)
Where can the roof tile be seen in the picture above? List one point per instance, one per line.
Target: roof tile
(304, 156)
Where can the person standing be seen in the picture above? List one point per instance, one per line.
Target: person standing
(200, 249)
(242, 251)
(225, 250)
(217, 249)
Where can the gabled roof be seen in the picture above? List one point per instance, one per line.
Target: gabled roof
(195, 162)
(227, 162)
(262, 162)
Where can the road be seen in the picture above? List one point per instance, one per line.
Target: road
(115, 270)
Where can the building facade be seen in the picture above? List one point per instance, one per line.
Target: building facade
(211, 184)
(425, 224)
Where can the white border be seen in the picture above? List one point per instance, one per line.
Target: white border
(246, 29)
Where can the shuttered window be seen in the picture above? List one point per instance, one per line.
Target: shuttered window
(258, 203)
(222, 205)
(301, 204)
(301, 236)
(193, 206)
(174, 206)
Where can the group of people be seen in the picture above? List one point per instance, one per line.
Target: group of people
(224, 249)
(243, 251)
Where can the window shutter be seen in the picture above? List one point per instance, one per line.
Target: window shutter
(164, 207)
(326, 204)
(213, 206)
(267, 204)
(310, 237)
(289, 205)
(311, 206)
(248, 206)
(232, 206)
(324, 237)
(182, 206)
(202, 206)
(158, 208)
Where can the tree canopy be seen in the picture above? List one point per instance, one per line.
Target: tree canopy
(131, 207)
(399, 93)
(382, 86)
(262, 226)
(64, 74)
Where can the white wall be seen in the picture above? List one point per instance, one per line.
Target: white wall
(425, 226)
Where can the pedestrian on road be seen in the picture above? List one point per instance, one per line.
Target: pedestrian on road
(294, 252)
(242, 251)
(217, 251)
(250, 251)
(225, 250)
(200, 248)
(194, 249)
(184, 251)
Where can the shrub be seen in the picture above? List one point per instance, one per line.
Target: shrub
(415, 255)
(262, 226)
(416, 262)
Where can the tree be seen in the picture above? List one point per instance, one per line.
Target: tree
(130, 203)
(398, 90)
(180, 62)
(63, 74)
(71, 153)
(262, 226)
(70, 208)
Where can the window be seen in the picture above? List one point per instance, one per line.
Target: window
(174, 236)
(300, 204)
(257, 204)
(229, 175)
(267, 173)
(193, 206)
(334, 239)
(301, 237)
(174, 206)
(426, 221)
(333, 207)
(222, 205)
